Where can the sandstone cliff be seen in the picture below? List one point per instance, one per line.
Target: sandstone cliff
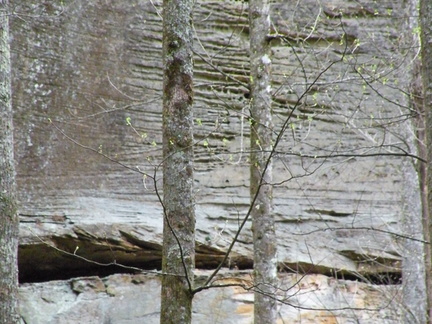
(87, 100)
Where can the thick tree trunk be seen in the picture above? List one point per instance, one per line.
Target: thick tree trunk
(265, 262)
(8, 209)
(426, 54)
(178, 257)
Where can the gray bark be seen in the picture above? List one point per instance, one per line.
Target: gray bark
(413, 195)
(414, 205)
(8, 208)
(426, 175)
(178, 254)
(263, 224)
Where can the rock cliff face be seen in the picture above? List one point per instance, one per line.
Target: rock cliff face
(87, 97)
(125, 299)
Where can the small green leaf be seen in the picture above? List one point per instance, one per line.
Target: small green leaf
(342, 41)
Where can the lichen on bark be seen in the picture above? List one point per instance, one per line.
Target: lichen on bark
(178, 254)
(8, 211)
(263, 224)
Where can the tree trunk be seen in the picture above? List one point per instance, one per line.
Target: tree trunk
(178, 256)
(426, 54)
(265, 261)
(8, 209)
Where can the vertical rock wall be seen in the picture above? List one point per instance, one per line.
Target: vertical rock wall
(87, 97)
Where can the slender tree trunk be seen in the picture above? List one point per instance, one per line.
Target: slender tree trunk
(178, 256)
(414, 202)
(263, 226)
(426, 54)
(8, 211)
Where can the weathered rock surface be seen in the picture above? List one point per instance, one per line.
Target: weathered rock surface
(87, 97)
(124, 299)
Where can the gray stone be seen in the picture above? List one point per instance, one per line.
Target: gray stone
(87, 100)
(130, 299)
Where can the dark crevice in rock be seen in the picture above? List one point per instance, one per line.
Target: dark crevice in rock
(42, 262)
(63, 274)
(68, 257)
(328, 212)
(82, 253)
(389, 277)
